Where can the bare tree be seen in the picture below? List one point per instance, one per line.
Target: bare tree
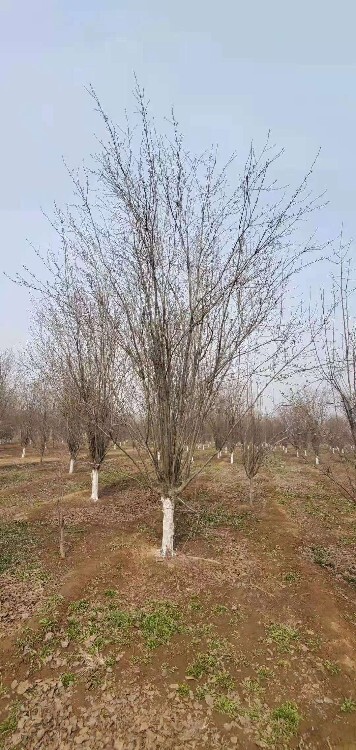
(81, 349)
(336, 357)
(194, 262)
(7, 393)
(254, 448)
(71, 414)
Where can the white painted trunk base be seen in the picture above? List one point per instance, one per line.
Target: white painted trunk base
(316, 460)
(232, 457)
(297, 454)
(95, 485)
(71, 466)
(23, 452)
(168, 527)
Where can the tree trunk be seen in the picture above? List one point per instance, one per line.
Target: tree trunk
(297, 454)
(316, 460)
(251, 490)
(62, 552)
(305, 454)
(95, 485)
(232, 457)
(71, 466)
(219, 454)
(23, 452)
(168, 527)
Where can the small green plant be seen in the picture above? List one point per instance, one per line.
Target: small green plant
(203, 664)
(47, 623)
(284, 636)
(82, 605)
(225, 705)
(117, 618)
(252, 687)
(160, 624)
(348, 705)
(332, 667)
(67, 679)
(9, 724)
(183, 690)
(195, 605)
(110, 593)
(264, 673)
(74, 630)
(201, 692)
(291, 577)
(321, 556)
(286, 718)
(220, 609)
(224, 680)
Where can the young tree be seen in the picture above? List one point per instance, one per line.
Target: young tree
(253, 447)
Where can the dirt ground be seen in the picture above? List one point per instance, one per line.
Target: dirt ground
(245, 639)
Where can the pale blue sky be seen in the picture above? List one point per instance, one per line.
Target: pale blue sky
(233, 70)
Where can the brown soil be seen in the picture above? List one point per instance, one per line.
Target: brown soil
(253, 646)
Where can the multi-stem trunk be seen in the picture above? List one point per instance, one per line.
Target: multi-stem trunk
(95, 485)
(167, 549)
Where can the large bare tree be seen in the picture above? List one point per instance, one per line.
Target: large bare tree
(195, 259)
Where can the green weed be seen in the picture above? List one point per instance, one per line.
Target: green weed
(286, 719)
(225, 705)
(332, 667)
(183, 690)
(348, 705)
(67, 679)
(283, 636)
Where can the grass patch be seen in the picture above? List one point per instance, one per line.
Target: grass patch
(183, 690)
(321, 557)
(283, 636)
(286, 720)
(332, 667)
(68, 679)
(203, 664)
(225, 705)
(16, 544)
(8, 725)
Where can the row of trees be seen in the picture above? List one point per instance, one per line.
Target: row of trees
(167, 282)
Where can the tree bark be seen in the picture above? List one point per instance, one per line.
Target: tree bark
(167, 549)
(251, 490)
(95, 485)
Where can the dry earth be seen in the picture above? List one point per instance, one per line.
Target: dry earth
(245, 639)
